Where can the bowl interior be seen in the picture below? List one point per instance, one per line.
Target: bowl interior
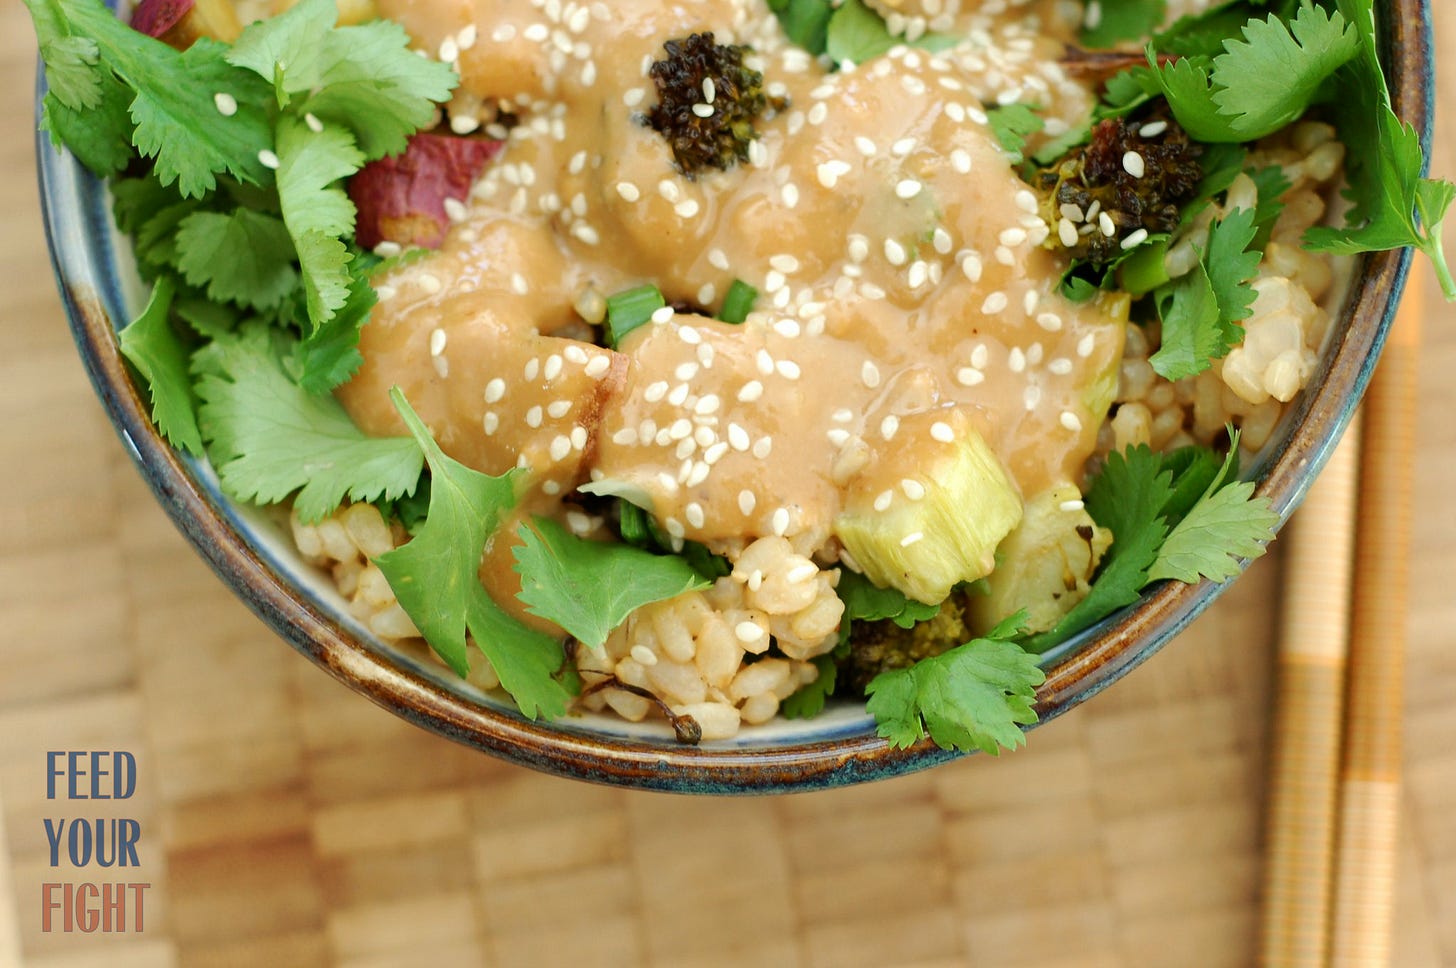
(253, 552)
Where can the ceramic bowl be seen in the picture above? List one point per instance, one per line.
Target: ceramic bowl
(249, 551)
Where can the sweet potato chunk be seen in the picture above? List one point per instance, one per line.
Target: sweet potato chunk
(179, 23)
(402, 199)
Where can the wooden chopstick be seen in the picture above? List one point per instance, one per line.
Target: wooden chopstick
(1370, 771)
(1308, 705)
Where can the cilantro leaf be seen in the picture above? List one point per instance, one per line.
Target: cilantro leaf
(808, 701)
(100, 136)
(1384, 162)
(371, 82)
(864, 600)
(1271, 183)
(857, 34)
(316, 210)
(1201, 310)
(590, 587)
(975, 696)
(1231, 262)
(1121, 20)
(330, 354)
(1127, 497)
(284, 49)
(1012, 124)
(1227, 523)
(1269, 78)
(435, 576)
(178, 125)
(805, 22)
(268, 437)
(244, 256)
(152, 346)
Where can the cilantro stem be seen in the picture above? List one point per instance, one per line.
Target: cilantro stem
(1436, 252)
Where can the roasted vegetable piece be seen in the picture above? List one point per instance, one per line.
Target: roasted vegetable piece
(944, 527)
(877, 647)
(402, 199)
(1045, 566)
(707, 103)
(179, 23)
(1135, 180)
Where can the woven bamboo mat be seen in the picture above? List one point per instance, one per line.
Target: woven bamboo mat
(284, 821)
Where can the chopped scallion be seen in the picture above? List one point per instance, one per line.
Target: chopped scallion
(629, 309)
(738, 303)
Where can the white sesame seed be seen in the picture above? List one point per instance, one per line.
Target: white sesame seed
(1106, 225)
(918, 275)
(687, 208)
(491, 422)
(1068, 506)
(664, 314)
(706, 405)
(578, 437)
(1086, 344)
(911, 538)
(787, 369)
(681, 427)
(838, 436)
(718, 259)
(1031, 397)
(869, 374)
(971, 266)
(694, 513)
(704, 435)
(558, 408)
(655, 391)
(715, 452)
(883, 500)
(751, 391)
(533, 417)
(941, 241)
(907, 188)
(268, 159)
(678, 394)
(1016, 359)
(1072, 213)
(1005, 256)
(674, 527)
(895, 253)
(994, 303)
(889, 427)
(748, 632)
(437, 341)
(1153, 130)
(781, 521)
(1133, 164)
(865, 146)
(960, 160)
(552, 369)
(801, 573)
(1071, 421)
(1061, 366)
(1067, 232)
(710, 90)
(747, 500)
(762, 447)
(686, 371)
(784, 263)
(1013, 236)
(626, 437)
(532, 369)
(737, 437)
(449, 50)
(560, 447)
(628, 191)
(429, 283)
(980, 356)
(968, 376)
(902, 147)
(384, 292)
(226, 104)
(790, 195)
(550, 488)
(1026, 201)
(942, 432)
(1135, 239)
(467, 37)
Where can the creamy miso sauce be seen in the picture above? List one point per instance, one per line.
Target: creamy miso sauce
(897, 256)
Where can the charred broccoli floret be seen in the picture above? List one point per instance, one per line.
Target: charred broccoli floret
(1135, 174)
(876, 647)
(707, 103)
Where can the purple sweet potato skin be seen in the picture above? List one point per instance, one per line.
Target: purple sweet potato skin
(155, 17)
(402, 199)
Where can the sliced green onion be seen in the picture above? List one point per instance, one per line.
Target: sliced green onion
(629, 309)
(634, 525)
(738, 303)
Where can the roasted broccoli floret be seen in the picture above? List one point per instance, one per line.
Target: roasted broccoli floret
(1130, 177)
(707, 103)
(876, 647)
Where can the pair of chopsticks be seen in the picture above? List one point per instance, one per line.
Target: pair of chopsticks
(1335, 772)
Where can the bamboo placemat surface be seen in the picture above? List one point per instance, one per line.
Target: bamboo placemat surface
(285, 821)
